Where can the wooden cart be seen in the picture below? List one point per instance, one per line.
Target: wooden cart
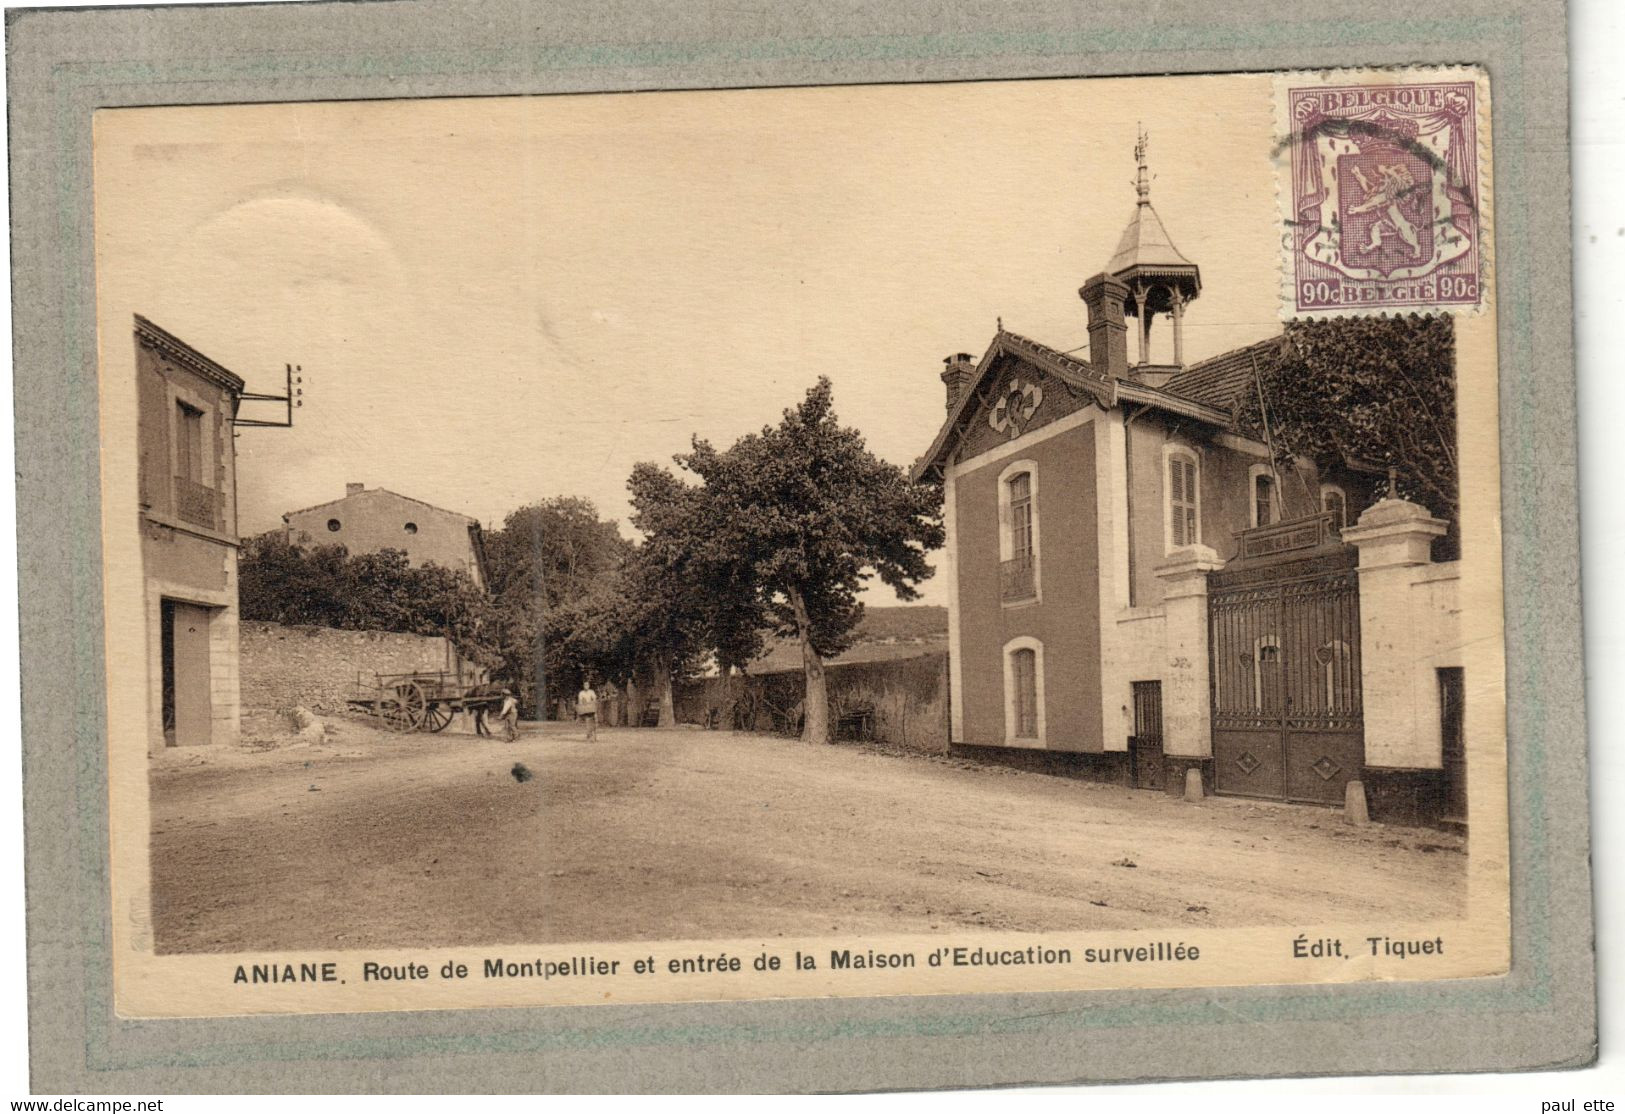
(420, 701)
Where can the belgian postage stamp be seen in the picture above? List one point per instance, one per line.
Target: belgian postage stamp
(1383, 178)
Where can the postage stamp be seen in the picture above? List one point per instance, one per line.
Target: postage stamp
(1382, 179)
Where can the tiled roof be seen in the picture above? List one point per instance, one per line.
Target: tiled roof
(1068, 369)
(1145, 243)
(1208, 390)
(380, 491)
(1219, 380)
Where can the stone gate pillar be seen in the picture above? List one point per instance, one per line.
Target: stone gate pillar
(1187, 719)
(1394, 538)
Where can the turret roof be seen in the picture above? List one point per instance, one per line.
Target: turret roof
(1145, 244)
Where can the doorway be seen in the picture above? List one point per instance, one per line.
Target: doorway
(188, 711)
(1146, 746)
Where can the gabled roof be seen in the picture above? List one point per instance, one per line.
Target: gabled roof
(1145, 244)
(1205, 391)
(376, 491)
(1068, 369)
(1220, 380)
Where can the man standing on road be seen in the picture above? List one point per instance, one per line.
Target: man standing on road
(587, 709)
(509, 716)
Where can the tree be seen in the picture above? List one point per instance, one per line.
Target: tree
(546, 561)
(794, 520)
(682, 604)
(280, 582)
(1381, 389)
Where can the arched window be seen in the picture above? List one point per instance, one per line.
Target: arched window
(1332, 499)
(1265, 499)
(1024, 690)
(1183, 488)
(1018, 532)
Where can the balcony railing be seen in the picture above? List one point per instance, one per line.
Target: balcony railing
(196, 503)
(1018, 578)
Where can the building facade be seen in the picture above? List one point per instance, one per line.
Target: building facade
(188, 493)
(1135, 583)
(368, 520)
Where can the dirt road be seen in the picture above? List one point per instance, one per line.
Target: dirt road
(368, 839)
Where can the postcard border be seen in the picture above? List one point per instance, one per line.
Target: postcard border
(65, 64)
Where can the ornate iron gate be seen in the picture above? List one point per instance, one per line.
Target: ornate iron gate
(1285, 644)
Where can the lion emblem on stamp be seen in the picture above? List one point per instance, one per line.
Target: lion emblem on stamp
(1383, 201)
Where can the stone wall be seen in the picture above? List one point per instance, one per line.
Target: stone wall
(316, 667)
(903, 702)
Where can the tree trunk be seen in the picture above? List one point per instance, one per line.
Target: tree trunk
(668, 712)
(815, 707)
(634, 703)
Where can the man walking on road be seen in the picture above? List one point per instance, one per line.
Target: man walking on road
(509, 716)
(587, 709)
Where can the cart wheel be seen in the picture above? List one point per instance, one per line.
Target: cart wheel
(403, 708)
(437, 717)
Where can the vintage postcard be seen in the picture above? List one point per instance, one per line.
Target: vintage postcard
(789, 543)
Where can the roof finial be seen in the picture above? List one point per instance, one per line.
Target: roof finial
(1000, 321)
(1142, 183)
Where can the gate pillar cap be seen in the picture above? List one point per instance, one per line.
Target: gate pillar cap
(1394, 532)
(1189, 561)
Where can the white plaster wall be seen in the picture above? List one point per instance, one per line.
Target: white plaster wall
(1410, 627)
(1133, 650)
(1187, 699)
(1117, 655)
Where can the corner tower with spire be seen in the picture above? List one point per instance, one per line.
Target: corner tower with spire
(1149, 276)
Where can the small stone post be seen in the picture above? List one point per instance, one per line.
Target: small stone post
(1354, 805)
(1193, 785)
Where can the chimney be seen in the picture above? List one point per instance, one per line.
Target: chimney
(1108, 331)
(958, 375)
(353, 489)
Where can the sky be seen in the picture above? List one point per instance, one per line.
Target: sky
(497, 300)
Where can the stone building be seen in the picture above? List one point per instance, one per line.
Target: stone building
(188, 492)
(368, 520)
(1134, 585)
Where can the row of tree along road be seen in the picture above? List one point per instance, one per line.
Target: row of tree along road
(772, 537)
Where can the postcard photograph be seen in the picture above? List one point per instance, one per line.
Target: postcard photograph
(861, 540)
